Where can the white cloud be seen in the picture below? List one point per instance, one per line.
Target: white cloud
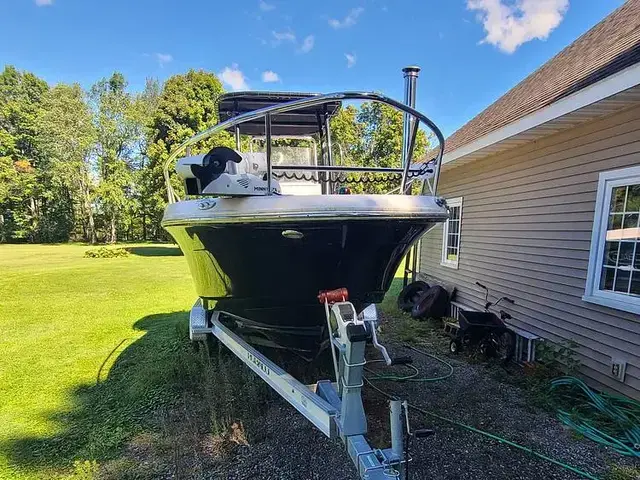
(307, 44)
(233, 77)
(349, 20)
(510, 25)
(289, 36)
(279, 37)
(163, 58)
(44, 3)
(269, 76)
(351, 59)
(266, 7)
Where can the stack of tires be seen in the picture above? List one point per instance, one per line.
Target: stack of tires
(424, 301)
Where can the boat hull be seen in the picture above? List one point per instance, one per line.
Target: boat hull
(271, 271)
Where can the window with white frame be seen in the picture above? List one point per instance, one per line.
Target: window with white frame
(451, 234)
(614, 263)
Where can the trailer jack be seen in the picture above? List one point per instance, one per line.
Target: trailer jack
(335, 408)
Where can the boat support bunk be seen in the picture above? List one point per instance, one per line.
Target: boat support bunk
(335, 408)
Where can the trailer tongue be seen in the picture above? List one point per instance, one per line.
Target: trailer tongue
(335, 408)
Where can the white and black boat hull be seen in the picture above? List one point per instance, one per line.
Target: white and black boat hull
(266, 258)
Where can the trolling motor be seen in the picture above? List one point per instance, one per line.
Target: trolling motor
(225, 172)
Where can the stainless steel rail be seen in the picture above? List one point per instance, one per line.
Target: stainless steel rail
(302, 103)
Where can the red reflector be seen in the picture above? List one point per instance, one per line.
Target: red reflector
(333, 296)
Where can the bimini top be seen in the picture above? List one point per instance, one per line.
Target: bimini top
(305, 121)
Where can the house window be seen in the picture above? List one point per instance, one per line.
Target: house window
(614, 263)
(451, 234)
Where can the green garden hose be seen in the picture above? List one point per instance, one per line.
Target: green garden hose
(623, 415)
(412, 377)
(618, 418)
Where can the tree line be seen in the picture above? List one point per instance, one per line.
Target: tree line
(86, 165)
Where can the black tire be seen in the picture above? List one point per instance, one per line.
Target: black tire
(455, 347)
(432, 304)
(486, 347)
(410, 294)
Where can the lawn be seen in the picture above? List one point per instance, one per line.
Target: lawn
(65, 321)
(90, 352)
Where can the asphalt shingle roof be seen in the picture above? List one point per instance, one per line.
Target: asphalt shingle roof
(609, 47)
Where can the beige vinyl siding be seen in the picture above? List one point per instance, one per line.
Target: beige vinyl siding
(527, 218)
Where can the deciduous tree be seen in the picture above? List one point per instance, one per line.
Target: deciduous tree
(186, 106)
(67, 138)
(116, 133)
(21, 202)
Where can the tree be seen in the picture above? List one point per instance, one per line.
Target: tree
(144, 110)
(382, 140)
(372, 136)
(116, 131)
(67, 139)
(187, 105)
(23, 184)
(346, 136)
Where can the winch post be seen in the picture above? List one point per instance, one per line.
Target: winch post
(354, 420)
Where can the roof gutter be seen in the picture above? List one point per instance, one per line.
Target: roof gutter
(616, 83)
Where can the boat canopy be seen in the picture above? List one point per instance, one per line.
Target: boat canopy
(307, 120)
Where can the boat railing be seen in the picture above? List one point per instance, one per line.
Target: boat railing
(407, 171)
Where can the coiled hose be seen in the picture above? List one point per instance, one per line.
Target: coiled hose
(618, 418)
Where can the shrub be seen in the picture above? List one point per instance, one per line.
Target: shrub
(552, 360)
(623, 473)
(106, 252)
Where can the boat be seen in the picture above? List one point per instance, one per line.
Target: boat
(264, 233)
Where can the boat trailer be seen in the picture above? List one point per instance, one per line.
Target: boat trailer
(335, 408)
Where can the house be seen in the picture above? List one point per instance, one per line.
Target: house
(544, 192)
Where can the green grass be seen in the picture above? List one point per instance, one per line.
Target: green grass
(96, 367)
(402, 328)
(67, 320)
(618, 472)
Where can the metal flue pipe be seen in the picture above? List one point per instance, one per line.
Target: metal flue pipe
(409, 133)
(410, 83)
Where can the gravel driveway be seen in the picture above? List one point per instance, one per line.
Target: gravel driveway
(293, 449)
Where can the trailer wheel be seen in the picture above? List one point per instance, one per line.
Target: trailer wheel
(505, 344)
(454, 346)
(410, 294)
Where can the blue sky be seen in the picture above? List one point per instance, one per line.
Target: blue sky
(471, 51)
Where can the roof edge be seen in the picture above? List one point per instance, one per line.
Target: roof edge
(616, 83)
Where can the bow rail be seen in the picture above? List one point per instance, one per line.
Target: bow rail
(268, 112)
